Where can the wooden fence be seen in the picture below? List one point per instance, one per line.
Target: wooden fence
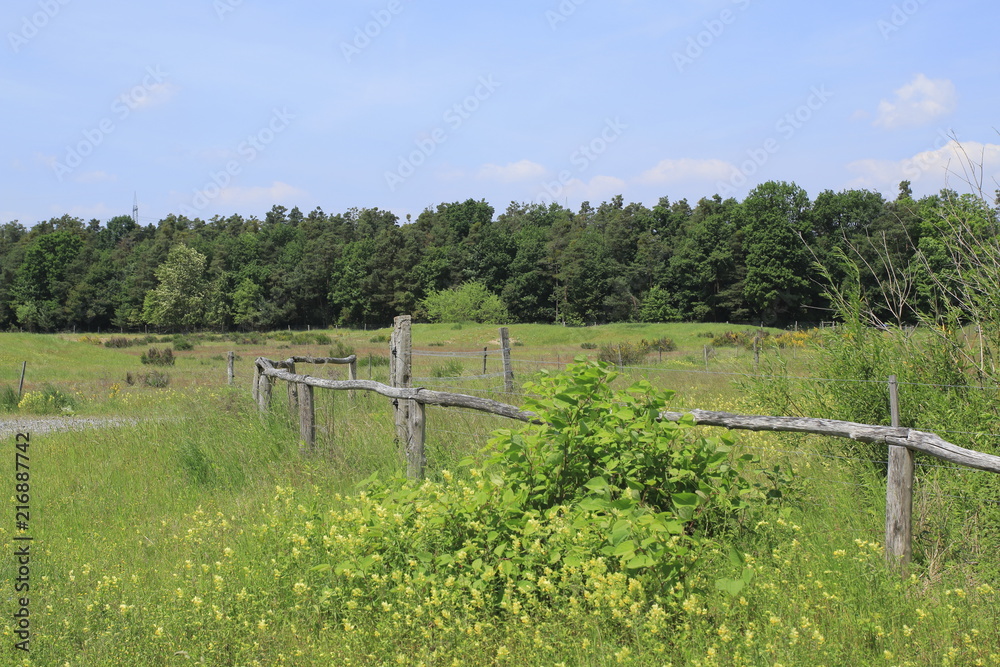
(410, 405)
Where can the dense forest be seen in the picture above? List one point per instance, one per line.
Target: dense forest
(756, 260)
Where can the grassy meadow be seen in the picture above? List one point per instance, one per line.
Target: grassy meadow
(195, 531)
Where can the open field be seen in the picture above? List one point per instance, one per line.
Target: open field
(199, 532)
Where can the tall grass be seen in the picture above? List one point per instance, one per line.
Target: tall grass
(192, 531)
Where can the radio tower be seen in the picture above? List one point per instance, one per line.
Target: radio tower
(135, 209)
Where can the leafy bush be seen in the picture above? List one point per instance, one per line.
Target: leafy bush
(118, 342)
(157, 357)
(182, 344)
(588, 346)
(623, 354)
(603, 501)
(744, 338)
(469, 302)
(380, 338)
(47, 401)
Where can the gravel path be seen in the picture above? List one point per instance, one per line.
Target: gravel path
(33, 425)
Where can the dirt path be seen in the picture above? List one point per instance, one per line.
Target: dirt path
(33, 425)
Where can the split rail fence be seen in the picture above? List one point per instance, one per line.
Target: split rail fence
(410, 419)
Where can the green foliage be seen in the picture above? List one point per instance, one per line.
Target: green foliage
(380, 338)
(182, 344)
(588, 346)
(179, 299)
(8, 399)
(49, 400)
(119, 342)
(470, 302)
(623, 354)
(157, 357)
(611, 449)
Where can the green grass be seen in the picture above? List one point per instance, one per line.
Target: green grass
(197, 528)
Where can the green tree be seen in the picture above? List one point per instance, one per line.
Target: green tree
(179, 299)
(775, 217)
(470, 302)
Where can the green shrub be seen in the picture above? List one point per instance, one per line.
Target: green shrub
(157, 357)
(47, 401)
(588, 346)
(182, 344)
(118, 342)
(380, 338)
(623, 354)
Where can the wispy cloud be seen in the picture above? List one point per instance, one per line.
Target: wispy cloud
(942, 166)
(685, 169)
(918, 103)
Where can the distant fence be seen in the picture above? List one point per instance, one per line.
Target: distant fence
(410, 419)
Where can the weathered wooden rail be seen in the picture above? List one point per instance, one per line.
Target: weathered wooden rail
(411, 419)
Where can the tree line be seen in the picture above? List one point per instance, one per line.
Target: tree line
(768, 258)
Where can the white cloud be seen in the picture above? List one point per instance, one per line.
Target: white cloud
(937, 168)
(512, 171)
(683, 169)
(276, 193)
(917, 103)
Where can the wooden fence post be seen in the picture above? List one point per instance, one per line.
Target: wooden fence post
(508, 371)
(230, 367)
(307, 414)
(293, 391)
(400, 370)
(20, 385)
(416, 459)
(898, 493)
(264, 393)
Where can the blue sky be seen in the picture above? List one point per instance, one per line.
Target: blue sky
(216, 107)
